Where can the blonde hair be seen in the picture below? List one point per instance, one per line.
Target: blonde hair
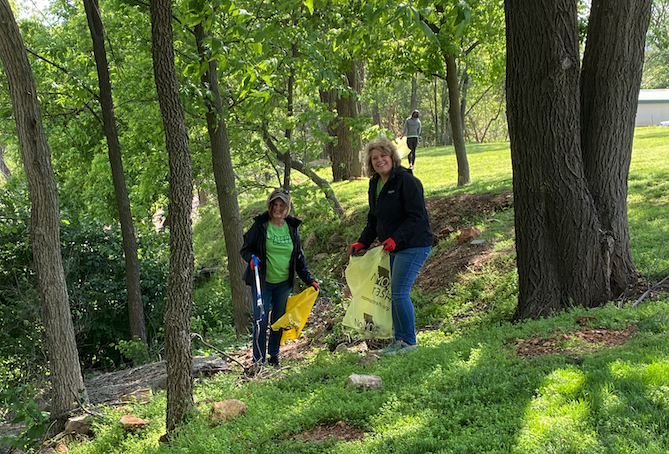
(278, 193)
(386, 147)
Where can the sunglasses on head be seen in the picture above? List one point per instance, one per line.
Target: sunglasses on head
(284, 191)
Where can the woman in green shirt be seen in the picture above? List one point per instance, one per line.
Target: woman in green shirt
(275, 241)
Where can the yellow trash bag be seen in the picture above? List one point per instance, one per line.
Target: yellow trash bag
(402, 147)
(298, 309)
(370, 312)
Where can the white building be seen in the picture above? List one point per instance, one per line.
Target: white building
(653, 108)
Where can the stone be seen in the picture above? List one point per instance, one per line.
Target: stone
(362, 382)
(468, 233)
(320, 256)
(311, 241)
(79, 424)
(225, 410)
(132, 423)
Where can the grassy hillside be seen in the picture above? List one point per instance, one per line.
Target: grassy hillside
(581, 382)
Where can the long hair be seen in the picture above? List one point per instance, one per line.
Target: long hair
(386, 147)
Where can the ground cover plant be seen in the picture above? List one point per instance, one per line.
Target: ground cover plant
(583, 381)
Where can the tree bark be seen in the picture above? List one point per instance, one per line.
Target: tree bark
(343, 154)
(132, 276)
(226, 190)
(564, 253)
(610, 82)
(456, 120)
(178, 353)
(66, 380)
(4, 170)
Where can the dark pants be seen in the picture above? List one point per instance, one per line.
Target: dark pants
(274, 298)
(412, 143)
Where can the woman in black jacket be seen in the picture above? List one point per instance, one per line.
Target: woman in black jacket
(398, 218)
(275, 241)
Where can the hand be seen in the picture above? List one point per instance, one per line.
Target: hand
(315, 285)
(355, 247)
(389, 245)
(252, 263)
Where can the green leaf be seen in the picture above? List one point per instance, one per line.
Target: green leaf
(310, 5)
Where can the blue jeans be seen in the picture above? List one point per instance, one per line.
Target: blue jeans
(404, 268)
(274, 298)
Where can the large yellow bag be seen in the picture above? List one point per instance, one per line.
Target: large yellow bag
(298, 309)
(370, 312)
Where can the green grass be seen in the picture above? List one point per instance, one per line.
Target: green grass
(465, 390)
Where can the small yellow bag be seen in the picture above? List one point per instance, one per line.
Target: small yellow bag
(370, 312)
(402, 147)
(298, 309)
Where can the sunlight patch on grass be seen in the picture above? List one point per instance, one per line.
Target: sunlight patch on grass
(559, 420)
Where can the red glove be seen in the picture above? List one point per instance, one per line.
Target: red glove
(315, 285)
(389, 245)
(355, 247)
(253, 264)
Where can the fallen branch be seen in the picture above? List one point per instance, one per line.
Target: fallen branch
(648, 292)
(228, 357)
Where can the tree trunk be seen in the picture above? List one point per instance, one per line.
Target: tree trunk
(562, 252)
(228, 203)
(615, 47)
(178, 353)
(344, 153)
(464, 82)
(329, 97)
(132, 282)
(456, 120)
(435, 116)
(66, 380)
(4, 170)
(413, 103)
(446, 135)
(376, 115)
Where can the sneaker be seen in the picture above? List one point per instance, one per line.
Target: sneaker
(406, 348)
(273, 361)
(392, 348)
(398, 347)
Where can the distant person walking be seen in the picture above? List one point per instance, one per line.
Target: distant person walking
(412, 132)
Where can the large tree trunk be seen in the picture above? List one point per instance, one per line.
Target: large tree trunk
(66, 380)
(563, 252)
(615, 46)
(178, 353)
(344, 153)
(228, 204)
(132, 283)
(456, 120)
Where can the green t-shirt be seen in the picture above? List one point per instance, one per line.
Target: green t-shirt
(279, 249)
(379, 187)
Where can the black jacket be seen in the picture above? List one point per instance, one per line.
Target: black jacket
(255, 244)
(400, 213)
